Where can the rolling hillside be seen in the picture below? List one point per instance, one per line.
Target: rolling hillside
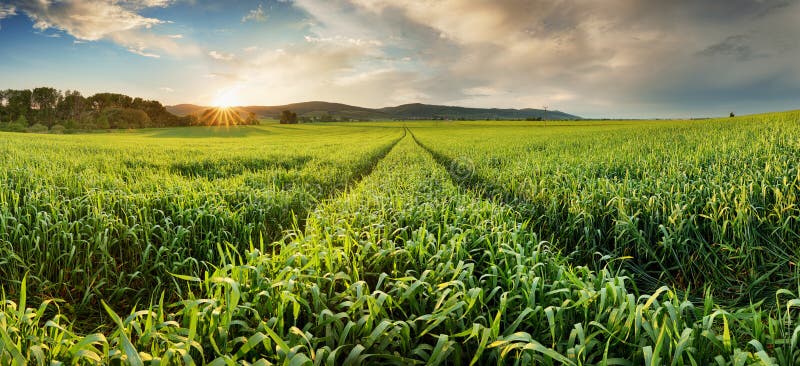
(405, 111)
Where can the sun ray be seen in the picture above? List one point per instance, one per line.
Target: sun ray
(222, 116)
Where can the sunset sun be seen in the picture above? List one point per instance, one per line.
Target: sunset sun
(226, 98)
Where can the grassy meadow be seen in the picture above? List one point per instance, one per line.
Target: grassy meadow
(553, 243)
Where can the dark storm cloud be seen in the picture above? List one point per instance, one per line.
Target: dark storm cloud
(736, 46)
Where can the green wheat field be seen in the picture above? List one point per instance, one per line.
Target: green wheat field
(458, 243)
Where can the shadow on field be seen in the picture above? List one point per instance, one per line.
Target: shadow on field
(211, 132)
(288, 127)
(512, 124)
(229, 167)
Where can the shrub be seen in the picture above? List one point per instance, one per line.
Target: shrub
(17, 126)
(37, 128)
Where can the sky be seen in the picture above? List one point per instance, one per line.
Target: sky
(600, 59)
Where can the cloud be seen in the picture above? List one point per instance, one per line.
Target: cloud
(228, 77)
(337, 71)
(149, 3)
(88, 21)
(142, 52)
(7, 11)
(166, 89)
(50, 35)
(481, 91)
(221, 56)
(736, 46)
(256, 15)
(616, 57)
(118, 21)
(342, 40)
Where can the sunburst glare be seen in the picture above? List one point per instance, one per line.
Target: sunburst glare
(226, 98)
(221, 116)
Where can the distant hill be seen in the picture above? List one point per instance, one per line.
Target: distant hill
(427, 111)
(185, 109)
(317, 109)
(405, 111)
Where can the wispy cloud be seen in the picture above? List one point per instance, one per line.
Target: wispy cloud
(255, 15)
(166, 89)
(221, 56)
(341, 39)
(149, 3)
(49, 35)
(7, 11)
(142, 52)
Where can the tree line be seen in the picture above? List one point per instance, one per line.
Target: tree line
(289, 117)
(47, 109)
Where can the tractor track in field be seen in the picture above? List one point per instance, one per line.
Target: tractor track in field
(375, 161)
(286, 233)
(462, 173)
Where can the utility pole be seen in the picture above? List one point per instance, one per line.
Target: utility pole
(545, 115)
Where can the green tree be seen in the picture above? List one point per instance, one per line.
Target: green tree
(251, 119)
(71, 124)
(19, 104)
(101, 122)
(123, 118)
(189, 120)
(49, 106)
(72, 106)
(101, 101)
(288, 117)
(4, 116)
(44, 101)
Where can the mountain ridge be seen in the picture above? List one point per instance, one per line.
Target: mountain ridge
(410, 111)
